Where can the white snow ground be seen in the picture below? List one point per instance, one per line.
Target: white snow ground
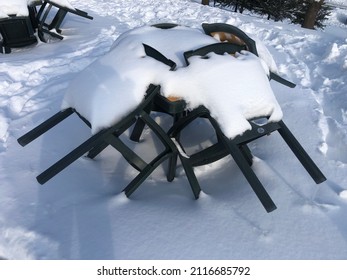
(82, 214)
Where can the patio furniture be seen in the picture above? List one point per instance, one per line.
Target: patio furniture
(16, 26)
(232, 40)
(19, 21)
(60, 11)
(233, 35)
(111, 136)
(16, 32)
(174, 149)
(175, 108)
(236, 147)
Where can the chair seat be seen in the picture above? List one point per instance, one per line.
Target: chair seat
(171, 105)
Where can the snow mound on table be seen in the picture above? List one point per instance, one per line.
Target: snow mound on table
(110, 88)
(116, 83)
(172, 42)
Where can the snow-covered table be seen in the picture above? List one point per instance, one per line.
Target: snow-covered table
(230, 91)
(127, 69)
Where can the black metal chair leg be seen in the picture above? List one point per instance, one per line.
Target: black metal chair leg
(301, 154)
(97, 150)
(60, 165)
(173, 160)
(44, 127)
(171, 174)
(145, 172)
(137, 131)
(57, 20)
(247, 154)
(247, 171)
(193, 181)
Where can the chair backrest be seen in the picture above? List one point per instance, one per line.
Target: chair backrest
(218, 48)
(233, 35)
(165, 25)
(17, 32)
(230, 34)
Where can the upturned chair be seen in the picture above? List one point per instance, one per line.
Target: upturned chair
(16, 32)
(111, 137)
(232, 40)
(237, 147)
(53, 28)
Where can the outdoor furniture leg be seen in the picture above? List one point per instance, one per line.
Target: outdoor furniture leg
(171, 174)
(246, 153)
(57, 20)
(45, 126)
(247, 171)
(188, 169)
(144, 173)
(173, 160)
(301, 154)
(98, 149)
(174, 133)
(139, 127)
(132, 158)
(170, 151)
(70, 157)
(238, 150)
(137, 130)
(40, 12)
